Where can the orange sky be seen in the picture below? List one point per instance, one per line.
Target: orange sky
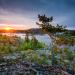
(16, 26)
(23, 14)
(16, 20)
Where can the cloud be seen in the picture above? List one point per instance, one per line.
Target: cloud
(61, 19)
(24, 12)
(21, 21)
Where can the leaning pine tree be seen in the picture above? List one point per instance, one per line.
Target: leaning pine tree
(46, 26)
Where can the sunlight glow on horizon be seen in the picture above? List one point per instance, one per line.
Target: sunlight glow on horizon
(16, 27)
(24, 13)
(24, 21)
(8, 28)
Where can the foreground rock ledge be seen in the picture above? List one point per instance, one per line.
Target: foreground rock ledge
(26, 68)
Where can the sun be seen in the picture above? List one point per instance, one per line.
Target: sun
(8, 28)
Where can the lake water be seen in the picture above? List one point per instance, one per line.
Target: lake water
(41, 38)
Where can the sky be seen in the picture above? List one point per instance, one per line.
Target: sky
(23, 14)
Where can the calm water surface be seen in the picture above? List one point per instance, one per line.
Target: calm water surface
(41, 38)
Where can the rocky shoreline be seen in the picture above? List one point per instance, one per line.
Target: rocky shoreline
(27, 68)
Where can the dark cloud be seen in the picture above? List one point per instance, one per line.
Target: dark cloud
(33, 5)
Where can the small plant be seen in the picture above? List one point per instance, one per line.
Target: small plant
(31, 44)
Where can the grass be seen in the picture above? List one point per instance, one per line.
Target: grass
(8, 45)
(11, 44)
(32, 44)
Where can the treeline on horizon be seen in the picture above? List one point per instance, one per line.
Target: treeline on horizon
(31, 31)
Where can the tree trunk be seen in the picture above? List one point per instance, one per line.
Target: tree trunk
(52, 48)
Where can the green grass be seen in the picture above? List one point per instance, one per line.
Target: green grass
(25, 45)
(29, 47)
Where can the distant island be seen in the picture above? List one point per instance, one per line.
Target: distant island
(31, 31)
